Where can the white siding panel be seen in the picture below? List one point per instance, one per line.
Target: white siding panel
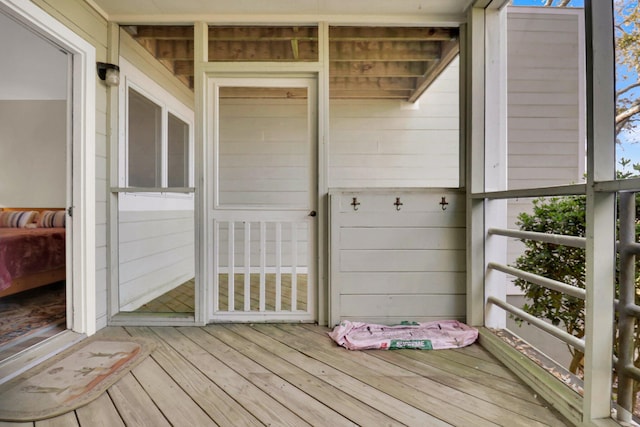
(389, 265)
(545, 74)
(410, 238)
(400, 283)
(400, 260)
(156, 254)
(403, 306)
(390, 144)
(263, 152)
(546, 113)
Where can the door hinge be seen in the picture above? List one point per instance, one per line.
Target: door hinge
(70, 211)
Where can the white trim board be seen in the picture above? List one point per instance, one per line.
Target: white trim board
(82, 297)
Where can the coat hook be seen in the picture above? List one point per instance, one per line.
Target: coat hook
(398, 203)
(443, 203)
(355, 203)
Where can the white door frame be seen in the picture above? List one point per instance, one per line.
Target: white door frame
(81, 283)
(256, 79)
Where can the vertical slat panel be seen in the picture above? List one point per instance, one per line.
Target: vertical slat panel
(263, 264)
(247, 266)
(278, 266)
(216, 266)
(294, 266)
(231, 266)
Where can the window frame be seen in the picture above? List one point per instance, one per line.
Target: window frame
(133, 78)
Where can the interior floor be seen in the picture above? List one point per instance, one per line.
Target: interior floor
(182, 298)
(30, 317)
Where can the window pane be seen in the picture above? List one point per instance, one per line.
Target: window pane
(144, 166)
(178, 153)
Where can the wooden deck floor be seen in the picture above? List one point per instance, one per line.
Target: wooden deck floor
(294, 375)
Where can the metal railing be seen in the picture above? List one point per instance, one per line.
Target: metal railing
(627, 310)
(558, 239)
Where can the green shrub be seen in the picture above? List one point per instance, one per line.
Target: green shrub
(566, 264)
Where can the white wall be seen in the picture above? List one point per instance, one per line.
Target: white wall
(33, 119)
(33, 150)
(389, 143)
(156, 253)
(546, 108)
(42, 74)
(156, 234)
(264, 154)
(388, 265)
(545, 85)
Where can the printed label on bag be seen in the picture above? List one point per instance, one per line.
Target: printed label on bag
(418, 344)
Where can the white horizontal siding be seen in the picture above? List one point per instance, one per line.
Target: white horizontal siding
(264, 152)
(546, 121)
(386, 143)
(389, 265)
(546, 115)
(156, 254)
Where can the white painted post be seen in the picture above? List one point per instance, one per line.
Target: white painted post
(278, 266)
(216, 266)
(294, 266)
(231, 267)
(600, 252)
(473, 50)
(495, 157)
(247, 266)
(263, 264)
(203, 271)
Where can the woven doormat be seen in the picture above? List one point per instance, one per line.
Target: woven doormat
(71, 379)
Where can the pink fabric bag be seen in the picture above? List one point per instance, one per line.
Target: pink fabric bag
(424, 336)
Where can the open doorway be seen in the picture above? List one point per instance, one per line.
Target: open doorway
(34, 169)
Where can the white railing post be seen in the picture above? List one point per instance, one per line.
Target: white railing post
(601, 221)
(495, 157)
(472, 52)
(231, 266)
(247, 266)
(263, 265)
(278, 305)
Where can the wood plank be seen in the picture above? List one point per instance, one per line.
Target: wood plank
(376, 69)
(67, 420)
(284, 392)
(10, 424)
(391, 33)
(383, 377)
(99, 413)
(222, 408)
(134, 405)
(483, 391)
(330, 396)
(351, 391)
(239, 374)
(511, 384)
(259, 403)
(387, 51)
(176, 405)
(456, 400)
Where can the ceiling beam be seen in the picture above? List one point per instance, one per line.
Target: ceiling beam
(450, 50)
(391, 34)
